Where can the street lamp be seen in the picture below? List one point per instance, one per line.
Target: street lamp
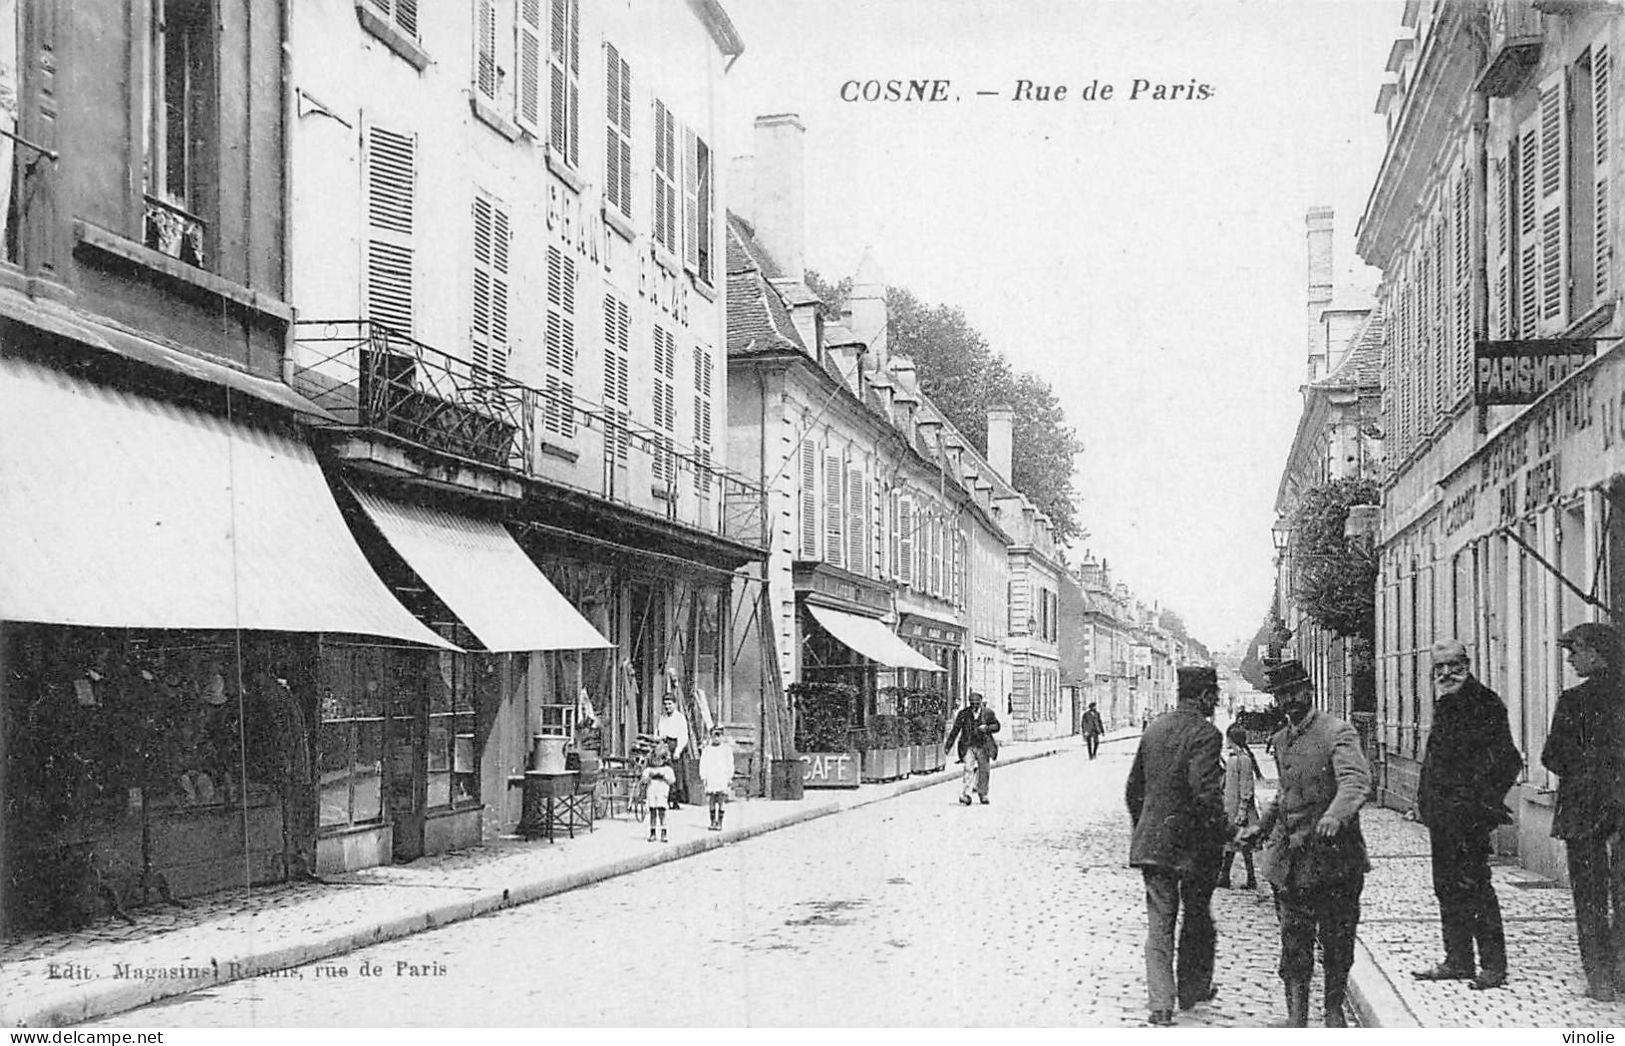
(1281, 533)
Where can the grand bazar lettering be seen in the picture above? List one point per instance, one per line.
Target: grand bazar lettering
(1521, 471)
(583, 228)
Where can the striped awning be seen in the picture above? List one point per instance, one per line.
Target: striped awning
(119, 510)
(483, 576)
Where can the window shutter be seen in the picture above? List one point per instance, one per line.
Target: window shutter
(808, 495)
(691, 201)
(617, 394)
(834, 550)
(665, 178)
(665, 404)
(905, 526)
(1528, 245)
(1554, 168)
(894, 560)
(485, 49)
(1602, 114)
(705, 223)
(527, 106)
(1461, 267)
(559, 357)
(618, 130)
(702, 418)
(564, 80)
(391, 180)
(857, 520)
(489, 333)
(1497, 213)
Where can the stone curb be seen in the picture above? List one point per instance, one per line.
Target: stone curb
(118, 996)
(1373, 995)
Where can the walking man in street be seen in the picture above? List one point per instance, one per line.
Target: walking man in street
(1584, 750)
(1315, 855)
(1469, 765)
(1175, 797)
(1092, 729)
(974, 728)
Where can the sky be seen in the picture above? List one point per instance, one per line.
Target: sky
(1147, 257)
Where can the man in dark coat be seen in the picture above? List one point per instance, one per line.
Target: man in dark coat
(1586, 749)
(1092, 729)
(974, 728)
(1315, 858)
(1175, 797)
(1469, 765)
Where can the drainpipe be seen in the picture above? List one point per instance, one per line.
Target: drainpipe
(289, 115)
(1477, 176)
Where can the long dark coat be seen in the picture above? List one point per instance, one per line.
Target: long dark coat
(1470, 762)
(973, 730)
(1583, 748)
(1175, 794)
(1321, 770)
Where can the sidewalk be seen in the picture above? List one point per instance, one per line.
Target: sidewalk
(69, 978)
(1399, 932)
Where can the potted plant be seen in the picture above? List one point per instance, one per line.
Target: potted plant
(824, 714)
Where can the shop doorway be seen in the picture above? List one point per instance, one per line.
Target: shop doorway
(647, 607)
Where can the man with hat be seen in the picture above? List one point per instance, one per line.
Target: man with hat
(1584, 749)
(1315, 855)
(1092, 729)
(1469, 765)
(1175, 797)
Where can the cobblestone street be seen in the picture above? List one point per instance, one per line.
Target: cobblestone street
(913, 911)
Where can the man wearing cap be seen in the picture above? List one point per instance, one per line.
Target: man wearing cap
(1092, 729)
(1315, 856)
(1175, 797)
(1584, 749)
(974, 728)
(1467, 770)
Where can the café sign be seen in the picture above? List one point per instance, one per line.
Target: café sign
(1522, 371)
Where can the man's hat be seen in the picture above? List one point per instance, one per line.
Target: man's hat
(1193, 679)
(1593, 634)
(1288, 675)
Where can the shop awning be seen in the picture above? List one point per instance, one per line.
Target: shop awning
(483, 576)
(871, 638)
(121, 511)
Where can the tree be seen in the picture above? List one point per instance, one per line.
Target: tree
(963, 375)
(1334, 578)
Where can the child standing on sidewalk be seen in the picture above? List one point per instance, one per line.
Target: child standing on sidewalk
(658, 778)
(717, 771)
(1240, 808)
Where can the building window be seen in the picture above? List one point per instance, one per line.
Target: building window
(665, 178)
(704, 364)
(699, 202)
(564, 76)
(807, 501)
(559, 344)
(180, 128)
(618, 130)
(400, 14)
(834, 480)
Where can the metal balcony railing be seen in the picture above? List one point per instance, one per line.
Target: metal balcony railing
(169, 228)
(371, 376)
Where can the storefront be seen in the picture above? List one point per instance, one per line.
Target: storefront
(168, 573)
(943, 644)
(1523, 541)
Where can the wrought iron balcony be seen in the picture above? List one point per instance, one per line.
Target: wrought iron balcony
(1517, 31)
(371, 376)
(171, 229)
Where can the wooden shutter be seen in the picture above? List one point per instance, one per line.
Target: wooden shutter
(617, 391)
(905, 527)
(490, 327)
(564, 80)
(1497, 239)
(702, 418)
(691, 201)
(391, 181)
(485, 49)
(1461, 268)
(705, 223)
(1527, 196)
(1602, 123)
(559, 343)
(527, 103)
(403, 13)
(665, 178)
(894, 535)
(857, 519)
(834, 549)
(807, 496)
(665, 403)
(617, 130)
(1553, 206)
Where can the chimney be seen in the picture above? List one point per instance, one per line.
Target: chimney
(779, 199)
(1000, 439)
(1319, 243)
(742, 188)
(866, 307)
